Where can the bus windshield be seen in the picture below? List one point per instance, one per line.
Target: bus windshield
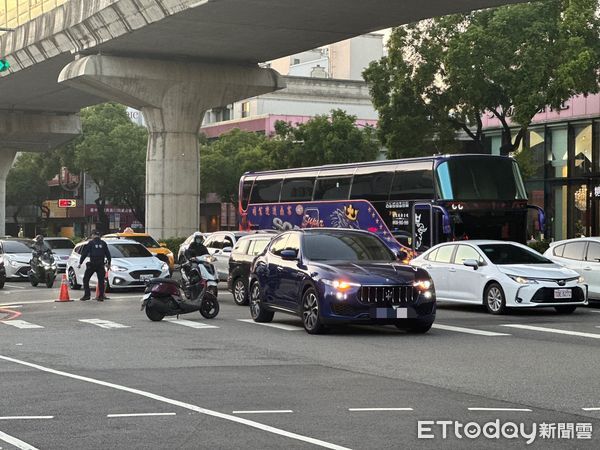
(472, 178)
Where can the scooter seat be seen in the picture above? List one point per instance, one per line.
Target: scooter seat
(163, 280)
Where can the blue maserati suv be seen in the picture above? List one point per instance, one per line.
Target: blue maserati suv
(336, 276)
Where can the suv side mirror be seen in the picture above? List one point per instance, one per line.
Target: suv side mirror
(471, 263)
(289, 255)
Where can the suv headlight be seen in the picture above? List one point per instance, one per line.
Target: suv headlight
(523, 280)
(340, 285)
(164, 267)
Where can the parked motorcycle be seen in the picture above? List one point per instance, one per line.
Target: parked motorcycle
(196, 292)
(42, 269)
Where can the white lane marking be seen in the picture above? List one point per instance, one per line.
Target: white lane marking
(190, 323)
(554, 330)
(501, 409)
(188, 406)
(141, 414)
(16, 442)
(35, 302)
(104, 323)
(25, 417)
(594, 311)
(22, 324)
(14, 286)
(280, 326)
(467, 330)
(591, 409)
(266, 411)
(378, 409)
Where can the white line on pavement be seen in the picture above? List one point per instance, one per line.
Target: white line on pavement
(266, 411)
(16, 442)
(591, 409)
(188, 406)
(190, 323)
(467, 330)
(141, 415)
(14, 286)
(280, 326)
(21, 324)
(104, 323)
(25, 417)
(378, 409)
(554, 330)
(594, 311)
(501, 409)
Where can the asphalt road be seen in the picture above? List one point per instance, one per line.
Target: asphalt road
(89, 375)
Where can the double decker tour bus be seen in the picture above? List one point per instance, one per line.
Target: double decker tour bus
(411, 204)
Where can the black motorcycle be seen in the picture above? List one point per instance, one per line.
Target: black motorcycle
(42, 269)
(166, 297)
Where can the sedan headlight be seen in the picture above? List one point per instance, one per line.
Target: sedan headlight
(422, 285)
(118, 269)
(581, 280)
(12, 261)
(523, 280)
(340, 285)
(164, 267)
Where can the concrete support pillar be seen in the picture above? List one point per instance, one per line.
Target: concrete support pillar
(173, 97)
(30, 131)
(7, 156)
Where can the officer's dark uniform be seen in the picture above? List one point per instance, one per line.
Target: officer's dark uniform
(97, 251)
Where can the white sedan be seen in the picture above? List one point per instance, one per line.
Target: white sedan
(501, 275)
(131, 265)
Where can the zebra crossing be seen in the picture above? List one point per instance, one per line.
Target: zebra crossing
(584, 331)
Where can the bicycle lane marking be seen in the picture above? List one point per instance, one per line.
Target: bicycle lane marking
(184, 405)
(16, 442)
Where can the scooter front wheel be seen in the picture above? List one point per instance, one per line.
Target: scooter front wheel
(33, 280)
(210, 306)
(154, 315)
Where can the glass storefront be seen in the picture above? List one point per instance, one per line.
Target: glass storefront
(563, 177)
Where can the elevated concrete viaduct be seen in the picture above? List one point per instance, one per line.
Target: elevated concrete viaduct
(173, 59)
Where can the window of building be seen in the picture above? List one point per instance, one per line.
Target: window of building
(559, 154)
(246, 109)
(582, 161)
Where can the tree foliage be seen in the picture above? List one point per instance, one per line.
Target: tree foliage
(112, 152)
(321, 140)
(442, 75)
(26, 184)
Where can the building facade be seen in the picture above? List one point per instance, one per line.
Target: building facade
(17, 12)
(564, 177)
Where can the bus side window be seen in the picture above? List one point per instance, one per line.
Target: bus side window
(266, 191)
(413, 182)
(332, 188)
(246, 188)
(297, 189)
(372, 186)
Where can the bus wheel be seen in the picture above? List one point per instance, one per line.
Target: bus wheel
(494, 299)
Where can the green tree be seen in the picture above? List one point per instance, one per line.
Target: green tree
(443, 74)
(26, 184)
(111, 151)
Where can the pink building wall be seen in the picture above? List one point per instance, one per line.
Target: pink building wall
(578, 107)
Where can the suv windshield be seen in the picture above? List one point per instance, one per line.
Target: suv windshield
(346, 247)
(55, 244)
(16, 247)
(128, 251)
(512, 254)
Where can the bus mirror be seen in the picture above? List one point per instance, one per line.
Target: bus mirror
(471, 263)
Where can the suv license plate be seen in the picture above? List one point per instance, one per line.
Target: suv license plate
(563, 293)
(145, 277)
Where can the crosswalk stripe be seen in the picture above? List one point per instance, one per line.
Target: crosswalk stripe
(104, 323)
(190, 323)
(554, 330)
(439, 326)
(21, 324)
(280, 326)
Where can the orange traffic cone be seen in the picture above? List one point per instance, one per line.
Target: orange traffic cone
(64, 290)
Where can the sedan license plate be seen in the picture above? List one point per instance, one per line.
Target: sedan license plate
(563, 293)
(391, 313)
(146, 277)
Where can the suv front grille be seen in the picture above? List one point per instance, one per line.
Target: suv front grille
(386, 295)
(136, 273)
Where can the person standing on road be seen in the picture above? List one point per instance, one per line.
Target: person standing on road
(97, 251)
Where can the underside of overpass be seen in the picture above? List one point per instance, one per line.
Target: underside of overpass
(173, 59)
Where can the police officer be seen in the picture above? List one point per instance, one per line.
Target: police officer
(196, 248)
(97, 251)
